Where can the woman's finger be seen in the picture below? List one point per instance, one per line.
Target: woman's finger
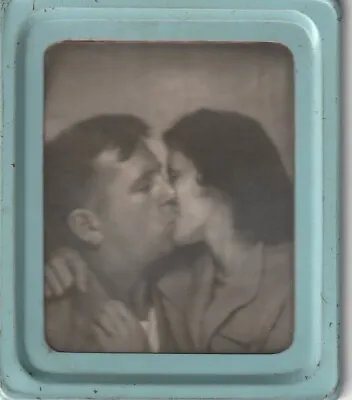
(47, 291)
(100, 334)
(114, 309)
(117, 308)
(79, 269)
(62, 271)
(53, 282)
(109, 325)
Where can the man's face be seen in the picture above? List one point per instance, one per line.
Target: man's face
(138, 213)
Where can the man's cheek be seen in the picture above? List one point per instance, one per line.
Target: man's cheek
(144, 209)
(140, 199)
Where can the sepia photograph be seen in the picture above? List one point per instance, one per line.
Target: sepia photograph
(169, 197)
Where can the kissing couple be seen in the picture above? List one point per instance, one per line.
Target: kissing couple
(193, 258)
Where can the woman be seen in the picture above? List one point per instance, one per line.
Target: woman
(235, 196)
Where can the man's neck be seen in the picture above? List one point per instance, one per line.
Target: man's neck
(118, 279)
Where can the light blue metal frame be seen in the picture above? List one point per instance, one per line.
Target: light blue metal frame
(309, 368)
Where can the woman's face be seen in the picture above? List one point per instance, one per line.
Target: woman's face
(194, 204)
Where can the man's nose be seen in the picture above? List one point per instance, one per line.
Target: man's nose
(167, 193)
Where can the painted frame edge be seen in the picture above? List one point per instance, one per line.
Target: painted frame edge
(39, 357)
(334, 393)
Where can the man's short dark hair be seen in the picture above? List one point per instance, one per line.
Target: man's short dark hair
(69, 172)
(234, 154)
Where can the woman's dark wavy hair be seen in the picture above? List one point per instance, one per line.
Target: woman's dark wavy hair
(233, 154)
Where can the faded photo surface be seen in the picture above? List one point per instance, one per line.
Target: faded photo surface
(169, 197)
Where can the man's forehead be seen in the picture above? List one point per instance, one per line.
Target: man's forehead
(143, 154)
(107, 158)
(141, 160)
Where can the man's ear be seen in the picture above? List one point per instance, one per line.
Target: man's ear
(86, 226)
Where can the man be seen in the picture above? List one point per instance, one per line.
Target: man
(106, 198)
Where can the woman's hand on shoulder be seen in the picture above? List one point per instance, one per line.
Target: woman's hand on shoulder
(66, 270)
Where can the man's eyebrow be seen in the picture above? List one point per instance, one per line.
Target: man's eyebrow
(156, 167)
(147, 174)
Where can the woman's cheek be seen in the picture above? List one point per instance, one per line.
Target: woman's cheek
(180, 193)
(188, 195)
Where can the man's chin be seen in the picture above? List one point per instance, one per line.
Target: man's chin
(166, 244)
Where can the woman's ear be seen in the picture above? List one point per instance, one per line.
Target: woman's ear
(86, 226)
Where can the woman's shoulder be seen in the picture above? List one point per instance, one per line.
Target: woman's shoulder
(279, 261)
(279, 253)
